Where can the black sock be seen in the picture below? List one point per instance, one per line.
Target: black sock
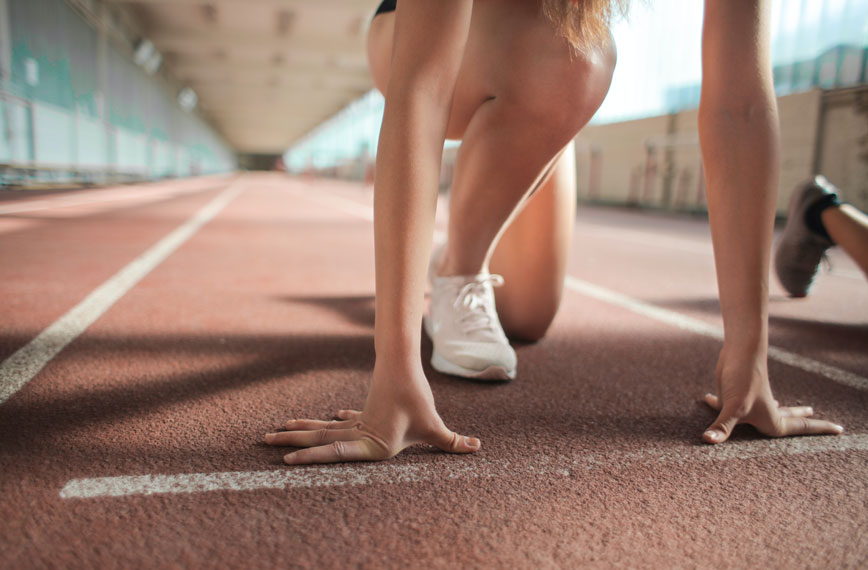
(813, 214)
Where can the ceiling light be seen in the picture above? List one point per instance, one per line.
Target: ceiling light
(153, 64)
(144, 52)
(187, 98)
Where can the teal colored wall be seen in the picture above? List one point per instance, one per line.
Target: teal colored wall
(55, 121)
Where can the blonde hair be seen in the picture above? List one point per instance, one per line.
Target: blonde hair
(583, 23)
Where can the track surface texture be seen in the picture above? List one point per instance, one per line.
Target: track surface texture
(131, 431)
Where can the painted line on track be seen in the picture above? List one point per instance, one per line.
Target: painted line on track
(27, 361)
(345, 205)
(659, 314)
(390, 474)
(702, 328)
(133, 196)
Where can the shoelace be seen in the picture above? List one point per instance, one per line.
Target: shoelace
(480, 309)
(826, 262)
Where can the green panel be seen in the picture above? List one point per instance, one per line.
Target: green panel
(5, 132)
(92, 142)
(54, 134)
(143, 123)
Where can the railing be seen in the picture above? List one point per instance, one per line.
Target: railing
(44, 144)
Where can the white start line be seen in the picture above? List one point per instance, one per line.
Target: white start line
(465, 468)
(26, 363)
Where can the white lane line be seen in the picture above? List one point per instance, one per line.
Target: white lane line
(390, 474)
(699, 327)
(648, 239)
(26, 363)
(133, 195)
(642, 308)
(339, 203)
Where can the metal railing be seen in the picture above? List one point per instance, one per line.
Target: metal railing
(25, 160)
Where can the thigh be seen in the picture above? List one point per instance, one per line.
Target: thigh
(532, 253)
(380, 35)
(512, 53)
(469, 89)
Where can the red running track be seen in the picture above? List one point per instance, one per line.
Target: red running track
(132, 428)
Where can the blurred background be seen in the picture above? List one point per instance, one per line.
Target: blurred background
(102, 91)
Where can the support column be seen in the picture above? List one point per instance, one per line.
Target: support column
(5, 45)
(102, 82)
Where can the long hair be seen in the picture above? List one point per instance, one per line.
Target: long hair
(583, 23)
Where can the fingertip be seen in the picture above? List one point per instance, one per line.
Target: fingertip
(713, 436)
(290, 458)
(839, 429)
(289, 423)
(269, 437)
(472, 442)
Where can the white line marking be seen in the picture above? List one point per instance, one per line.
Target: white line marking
(699, 327)
(643, 308)
(99, 196)
(340, 203)
(648, 239)
(384, 473)
(26, 363)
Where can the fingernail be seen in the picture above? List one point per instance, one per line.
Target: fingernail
(472, 441)
(839, 429)
(713, 435)
(269, 437)
(289, 458)
(289, 422)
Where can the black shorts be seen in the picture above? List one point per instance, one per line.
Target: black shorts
(386, 6)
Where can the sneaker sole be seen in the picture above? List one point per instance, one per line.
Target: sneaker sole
(444, 366)
(498, 373)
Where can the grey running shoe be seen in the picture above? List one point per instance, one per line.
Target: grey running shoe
(800, 249)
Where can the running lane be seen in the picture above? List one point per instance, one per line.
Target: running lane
(138, 444)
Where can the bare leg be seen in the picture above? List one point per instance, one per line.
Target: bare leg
(517, 144)
(533, 262)
(519, 102)
(848, 227)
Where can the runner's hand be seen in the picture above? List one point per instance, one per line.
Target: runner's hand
(396, 416)
(745, 397)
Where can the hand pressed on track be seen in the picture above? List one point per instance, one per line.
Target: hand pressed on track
(396, 416)
(745, 397)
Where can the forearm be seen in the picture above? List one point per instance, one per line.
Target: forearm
(741, 173)
(738, 127)
(429, 45)
(408, 166)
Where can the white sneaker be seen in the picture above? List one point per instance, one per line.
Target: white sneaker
(463, 325)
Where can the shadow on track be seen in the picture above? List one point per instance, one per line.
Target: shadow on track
(355, 309)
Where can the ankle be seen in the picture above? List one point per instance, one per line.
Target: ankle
(450, 266)
(814, 214)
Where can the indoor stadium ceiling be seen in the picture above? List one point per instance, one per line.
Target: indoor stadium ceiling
(265, 71)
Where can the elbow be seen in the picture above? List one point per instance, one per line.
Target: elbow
(737, 119)
(739, 106)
